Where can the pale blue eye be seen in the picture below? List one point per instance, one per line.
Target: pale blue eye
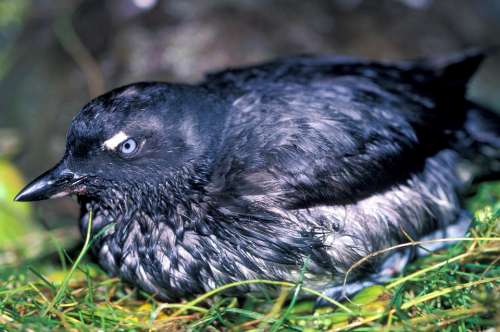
(129, 146)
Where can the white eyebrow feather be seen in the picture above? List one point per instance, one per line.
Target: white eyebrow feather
(114, 141)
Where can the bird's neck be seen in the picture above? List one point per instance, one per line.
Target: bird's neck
(175, 200)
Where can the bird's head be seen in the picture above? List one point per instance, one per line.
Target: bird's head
(131, 137)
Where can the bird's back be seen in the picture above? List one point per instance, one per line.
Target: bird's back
(358, 122)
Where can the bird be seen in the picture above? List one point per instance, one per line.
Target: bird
(296, 168)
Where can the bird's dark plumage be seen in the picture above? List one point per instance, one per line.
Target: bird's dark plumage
(256, 170)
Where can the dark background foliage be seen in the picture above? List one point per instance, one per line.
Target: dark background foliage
(56, 55)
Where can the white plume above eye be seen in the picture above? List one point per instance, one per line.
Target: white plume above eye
(115, 141)
(128, 147)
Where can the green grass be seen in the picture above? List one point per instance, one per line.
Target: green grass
(457, 289)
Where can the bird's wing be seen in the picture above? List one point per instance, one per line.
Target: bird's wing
(334, 139)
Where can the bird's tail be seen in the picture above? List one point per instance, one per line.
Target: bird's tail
(447, 76)
(479, 142)
(479, 139)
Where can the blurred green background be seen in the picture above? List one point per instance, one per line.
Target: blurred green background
(56, 55)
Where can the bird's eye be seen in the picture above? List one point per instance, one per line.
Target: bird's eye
(128, 147)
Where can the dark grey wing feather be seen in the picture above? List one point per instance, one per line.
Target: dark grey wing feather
(308, 131)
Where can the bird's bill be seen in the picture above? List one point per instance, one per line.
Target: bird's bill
(57, 182)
